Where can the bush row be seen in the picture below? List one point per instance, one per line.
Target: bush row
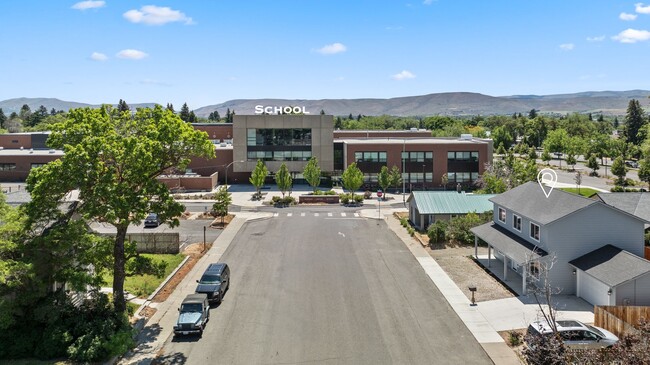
(346, 198)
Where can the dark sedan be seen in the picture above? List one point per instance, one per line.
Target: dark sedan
(152, 220)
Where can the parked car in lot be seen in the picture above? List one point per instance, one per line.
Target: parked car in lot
(193, 314)
(152, 220)
(214, 282)
(632, 164)
(575, 334)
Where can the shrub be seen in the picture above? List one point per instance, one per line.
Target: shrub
(358, 199)
(458, 229)
(367, 194)
(287, 200)
(437, 231)
(345, 198)
(514, 338)
(410, 230)
(403, 221)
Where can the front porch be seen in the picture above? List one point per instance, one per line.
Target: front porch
(504, 273)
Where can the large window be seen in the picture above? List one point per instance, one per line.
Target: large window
(279, 155)
(462, 156)
(7, 166)
(534, 231)
(461, 177)
(370, 157)
(278, 137)
(417, 156)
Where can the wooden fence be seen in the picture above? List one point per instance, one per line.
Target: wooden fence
(620, 319)
(647, 252)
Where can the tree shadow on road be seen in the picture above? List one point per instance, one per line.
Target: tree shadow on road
(171, 359)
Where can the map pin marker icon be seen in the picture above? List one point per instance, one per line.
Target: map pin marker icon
(546, 178)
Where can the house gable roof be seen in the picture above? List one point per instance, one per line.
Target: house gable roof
(530, 201)
(637, 204)
(451, 202)
(612, 265)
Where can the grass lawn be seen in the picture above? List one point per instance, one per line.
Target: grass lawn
(143, 285)
(587, 192)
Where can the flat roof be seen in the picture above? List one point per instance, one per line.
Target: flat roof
(29, 152)
(411, 140)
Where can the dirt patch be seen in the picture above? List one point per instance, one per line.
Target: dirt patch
(517, 345)
(217, 223)
(463, 271)
(195, 251)
(147, 312)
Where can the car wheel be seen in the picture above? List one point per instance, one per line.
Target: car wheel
(220, 298)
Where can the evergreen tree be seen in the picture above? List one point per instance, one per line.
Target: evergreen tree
(350, 117)
(601, 118)
(52, 111)
(616, 123)
(532, 114)
(25, 112)
(634, 122)
(193, 118)
(13, 116)
(338, 123)
(322, 112)
(170, 107)
(122, 106)
(185, 113)
(359, 118)
(3, 118)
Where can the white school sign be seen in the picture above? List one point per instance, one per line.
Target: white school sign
(262, 109)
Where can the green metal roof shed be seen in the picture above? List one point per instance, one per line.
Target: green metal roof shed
(450, 202)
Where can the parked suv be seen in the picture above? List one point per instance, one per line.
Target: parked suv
(214, 282)
(575, 334)
(193, 314)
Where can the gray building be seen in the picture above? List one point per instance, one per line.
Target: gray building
(529, 231)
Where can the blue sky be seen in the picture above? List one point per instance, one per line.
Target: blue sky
(207, 52)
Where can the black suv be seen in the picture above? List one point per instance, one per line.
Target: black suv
(214, 281)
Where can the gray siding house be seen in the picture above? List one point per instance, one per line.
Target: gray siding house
(529, 230)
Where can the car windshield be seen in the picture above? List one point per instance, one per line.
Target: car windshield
(191, 307)
(210, 279)
(595, 330)
(152, 216)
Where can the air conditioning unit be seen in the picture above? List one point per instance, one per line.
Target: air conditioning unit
(466, 137)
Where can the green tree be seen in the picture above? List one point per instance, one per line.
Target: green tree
(352, 178)
(532, 114)
(592, 163)
(170, 107)
(113, 158)
(25, 113)
(312, 173)
(644, 170)
(184, 113)
(383, 179)
(258, 176)
(458, 230)
(557, 141)
(122, 106)
(619, 169)
(223, 199)
(532, 154)
(634, 122)
(3, 119)
(546, 157)
(192, 118)
(395, 177)
(283, 179)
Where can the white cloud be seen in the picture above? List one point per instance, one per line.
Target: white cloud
(403, 75)
(96, 56)
(427, 2)
(567, 46)
(131, 54)
(156, 15)
(626, 16)
(632, 36)
(596, 39)
(642, 9)
(332, 48)
(89, 4)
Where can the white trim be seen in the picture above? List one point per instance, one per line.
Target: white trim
(514, 219)
(505, 215)
(530, 231)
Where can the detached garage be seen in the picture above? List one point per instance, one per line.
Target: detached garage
(611, 276)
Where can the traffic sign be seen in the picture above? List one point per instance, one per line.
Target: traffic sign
(379, 193)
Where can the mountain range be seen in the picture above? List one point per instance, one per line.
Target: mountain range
(452, 103)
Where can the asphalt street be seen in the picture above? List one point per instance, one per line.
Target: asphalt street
(323, 289)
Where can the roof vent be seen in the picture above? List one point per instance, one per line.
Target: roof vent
(31, 150)
(51, 150)
(466, 137)
(414, 129)
(21, 148)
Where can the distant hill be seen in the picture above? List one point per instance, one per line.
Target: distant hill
(456, 103)
(13, 105)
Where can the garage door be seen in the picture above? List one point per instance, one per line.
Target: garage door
(592, 290)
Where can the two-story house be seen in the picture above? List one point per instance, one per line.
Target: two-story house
(596, 249)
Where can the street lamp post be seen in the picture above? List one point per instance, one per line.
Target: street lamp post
(227, 167)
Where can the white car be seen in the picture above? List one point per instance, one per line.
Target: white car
(575, 334)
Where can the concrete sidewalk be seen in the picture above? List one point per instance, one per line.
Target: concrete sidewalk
(160, 326)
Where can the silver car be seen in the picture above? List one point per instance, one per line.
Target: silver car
(576, 334)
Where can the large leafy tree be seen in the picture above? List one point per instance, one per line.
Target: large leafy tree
(502, 137)
(644, 170)
(634, 122)
(312, 173)
(258, 176)
(352, 178)
(112, 159)
(283, 179)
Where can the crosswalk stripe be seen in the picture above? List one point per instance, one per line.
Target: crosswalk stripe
(329, 214)
(343, 214)
(276, 214)
(315, 214)
(302, 214)
(356, 214)
(289, 214)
